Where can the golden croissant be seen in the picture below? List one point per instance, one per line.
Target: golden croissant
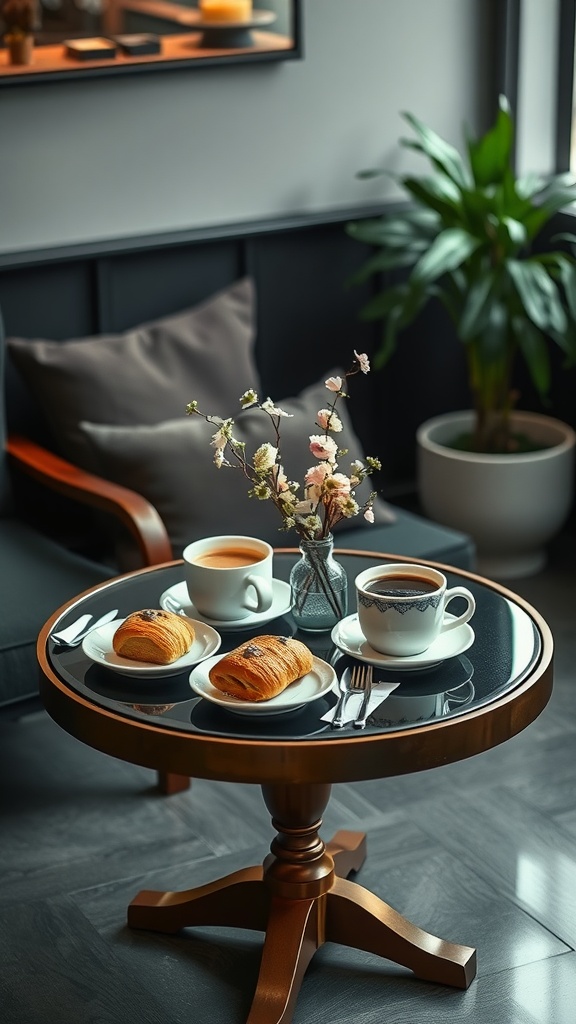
(153, 635)
(261, 668)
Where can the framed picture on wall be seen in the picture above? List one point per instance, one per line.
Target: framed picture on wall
(48, 40)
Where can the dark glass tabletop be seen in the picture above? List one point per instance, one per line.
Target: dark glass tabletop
(506, 648)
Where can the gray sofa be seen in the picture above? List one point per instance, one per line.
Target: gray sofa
(39, 573)
(79, 504)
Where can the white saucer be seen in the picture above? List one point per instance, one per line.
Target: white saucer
(281, 604)
(348, 636)
(310, 687)
(98, 647)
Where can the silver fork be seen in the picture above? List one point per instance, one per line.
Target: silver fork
(360, 720)
(354, 683)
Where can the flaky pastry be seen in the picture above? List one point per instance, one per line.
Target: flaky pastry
(153, 635)
(261, 668)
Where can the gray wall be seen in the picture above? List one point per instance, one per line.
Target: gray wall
(114, 157)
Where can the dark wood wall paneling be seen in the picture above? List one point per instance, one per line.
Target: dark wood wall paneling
(307, 321)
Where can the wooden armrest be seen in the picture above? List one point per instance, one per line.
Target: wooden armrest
(131, 508)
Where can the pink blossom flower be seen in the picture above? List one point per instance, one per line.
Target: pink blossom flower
(328, 420)
(317, 474)
(363, 361)
(334, 383)
(323, 447)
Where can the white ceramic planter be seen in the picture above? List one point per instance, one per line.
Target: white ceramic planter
(511, 505)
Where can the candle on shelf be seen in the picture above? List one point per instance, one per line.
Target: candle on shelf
(226, 10)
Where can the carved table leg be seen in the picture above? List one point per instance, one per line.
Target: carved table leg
(238, 900)
(292, 937)
(301, 900)
(357, 918)
(170, 783)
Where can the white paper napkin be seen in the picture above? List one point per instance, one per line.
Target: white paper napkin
(379, 693)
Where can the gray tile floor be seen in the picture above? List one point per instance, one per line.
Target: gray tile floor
(482, 852)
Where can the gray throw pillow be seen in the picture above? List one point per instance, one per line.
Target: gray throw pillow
(145, 375)
(171, 464)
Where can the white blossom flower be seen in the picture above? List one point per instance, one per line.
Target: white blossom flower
(222, 436)
(349, 508)
(328, 420)
(248, 398)
(265, 458)
(363, 361)
(338, 484)
(273, 410)
(328, 494)
(323, 447)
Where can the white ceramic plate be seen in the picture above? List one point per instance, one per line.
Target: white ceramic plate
(98, 647)
(310, 687)
(348, 636)
(281, 604)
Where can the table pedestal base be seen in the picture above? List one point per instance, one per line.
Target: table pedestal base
(301, 900)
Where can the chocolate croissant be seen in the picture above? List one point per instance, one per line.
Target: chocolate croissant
(153, 635)
(261, 668)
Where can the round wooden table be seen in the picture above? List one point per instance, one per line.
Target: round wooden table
(300, 897)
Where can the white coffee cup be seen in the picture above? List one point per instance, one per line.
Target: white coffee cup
(402, 607)
(229, 577)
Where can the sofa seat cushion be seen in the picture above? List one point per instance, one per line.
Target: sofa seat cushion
(38, 576)
(413, 536)
(172, 465)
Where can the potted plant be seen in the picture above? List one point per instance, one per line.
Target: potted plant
(469, 238)
(20, 20)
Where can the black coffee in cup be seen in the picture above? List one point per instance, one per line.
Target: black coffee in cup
(399, 585)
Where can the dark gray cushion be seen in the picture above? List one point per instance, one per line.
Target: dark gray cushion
(38, 576)
(171, 464)
(146, 375)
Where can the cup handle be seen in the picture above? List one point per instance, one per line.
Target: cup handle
(466, 615)
(264, 594)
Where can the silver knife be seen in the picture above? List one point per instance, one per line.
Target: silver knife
(344, 687)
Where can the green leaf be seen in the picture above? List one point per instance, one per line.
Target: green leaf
(372, 172)
(538, 293)
(386, 260)
(490, 155)
(384, 303)
(438, 193)
(567, 274)
(388, 346)
(516, 231)
(441, 153)
(476, 311)
(559, 192)
(533, 346)
(447, 252)
(385, 231)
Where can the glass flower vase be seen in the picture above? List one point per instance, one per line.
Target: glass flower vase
(319, 587)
